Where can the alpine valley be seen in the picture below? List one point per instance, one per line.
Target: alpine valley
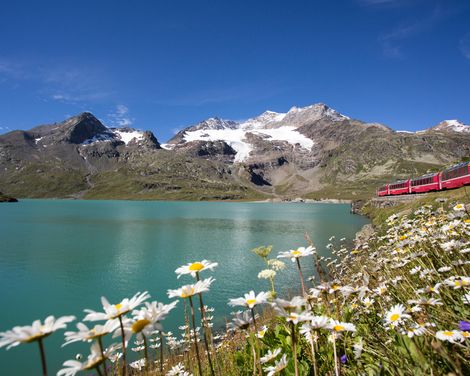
(311, 152)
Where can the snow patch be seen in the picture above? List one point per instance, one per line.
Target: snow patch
(168, 146)
(128, 136)
(236, 138)
(454, 125)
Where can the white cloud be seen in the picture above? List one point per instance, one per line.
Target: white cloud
(120, 117)
(464, 45)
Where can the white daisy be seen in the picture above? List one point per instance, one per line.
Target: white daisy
(93, 361)
(113, 311)
(37, 331)
(278, 366)
(395, 315)
(270, 355)
(250, 300)
(294, 254)
(195, 267)
(338, 327)
(450, 335)
(466, 298)
(85, 334)
(190, 290)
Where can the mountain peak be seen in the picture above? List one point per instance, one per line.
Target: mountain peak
(453, 125)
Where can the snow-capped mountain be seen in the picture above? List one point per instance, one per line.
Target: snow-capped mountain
(270, 126)
(451, 126)
(313, 149)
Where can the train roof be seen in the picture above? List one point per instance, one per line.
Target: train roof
(400, 181)
(461, 164)
(426, 176)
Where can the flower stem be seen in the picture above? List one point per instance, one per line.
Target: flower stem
(195, 337)
(294, 349)
(301, 277)
(43, 357)
(100, 343)
(315, 372)
(205, 330)
(161, 352)
(254, 319)
(335, 355)
(147, 363)
(123, 347)
(98, 371)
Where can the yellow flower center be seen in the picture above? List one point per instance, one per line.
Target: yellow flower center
(139, 325)
(394, 317)
(403, 237)
(251, 301)
(118, 306)
(196, 266)
(448, 333)
(187, 292)
(36, 337)
(467, 220)
(296, 253)
(338, 328)
(335, 287)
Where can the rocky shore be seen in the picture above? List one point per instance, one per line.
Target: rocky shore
(4, 198)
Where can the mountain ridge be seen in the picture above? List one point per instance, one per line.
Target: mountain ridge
(312, 151)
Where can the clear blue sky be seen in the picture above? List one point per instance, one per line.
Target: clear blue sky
(163, 65)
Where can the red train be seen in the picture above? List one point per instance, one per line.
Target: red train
(452, 177)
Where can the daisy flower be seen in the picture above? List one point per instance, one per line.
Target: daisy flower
(294, 254)
(241, 320)
(459, 207)
(278, 366)
(395, 315)
(466, 298)
(450, 336)
(191, 290)
(295, 303)
(35, 332)
(358, 347)
(250, 300)
(262, 331)
(86, 335)
(138, 364)
(319, 322)
(178, 370)
(338, 327)
(458, 282)
(195, 267)
(94, 360)
(270, 355)
(113, 311)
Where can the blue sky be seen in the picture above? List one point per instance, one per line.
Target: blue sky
(163, 65)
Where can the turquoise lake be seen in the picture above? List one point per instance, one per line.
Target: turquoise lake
(59, 257)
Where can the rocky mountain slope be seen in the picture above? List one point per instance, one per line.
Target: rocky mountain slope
(313, 151)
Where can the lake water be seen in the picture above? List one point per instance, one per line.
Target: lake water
(59, 257)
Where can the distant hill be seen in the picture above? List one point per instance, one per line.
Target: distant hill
(313, 151)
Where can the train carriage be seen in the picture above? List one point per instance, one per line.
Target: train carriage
(400, 187)
(383, 191)
(456, 176)
(426, 183)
